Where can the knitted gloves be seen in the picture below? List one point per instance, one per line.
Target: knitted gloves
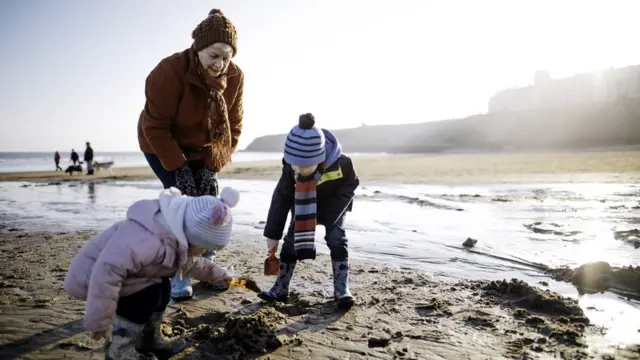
(185, 181)
(208, 182)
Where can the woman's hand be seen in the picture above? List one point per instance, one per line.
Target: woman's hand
(208, 182)
(185, 181)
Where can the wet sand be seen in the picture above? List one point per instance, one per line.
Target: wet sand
(600, 166)
(398, 314)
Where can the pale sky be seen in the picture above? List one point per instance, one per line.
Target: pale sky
(74, 70)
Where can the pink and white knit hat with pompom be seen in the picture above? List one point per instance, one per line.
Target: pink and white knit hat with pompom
(208, 220)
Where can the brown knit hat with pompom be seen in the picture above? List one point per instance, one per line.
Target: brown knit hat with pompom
(214, 29)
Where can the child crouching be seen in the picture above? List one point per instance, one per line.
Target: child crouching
(317, 185)
(124, 273)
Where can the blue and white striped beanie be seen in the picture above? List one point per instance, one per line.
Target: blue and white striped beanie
(208, 220)
(304, 145)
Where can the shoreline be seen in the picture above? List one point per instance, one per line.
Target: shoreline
(609, 167)
(398, 314)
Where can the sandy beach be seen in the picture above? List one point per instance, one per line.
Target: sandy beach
(399, 314)
(598, 166)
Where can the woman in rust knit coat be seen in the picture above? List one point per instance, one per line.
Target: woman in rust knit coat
(192, 118)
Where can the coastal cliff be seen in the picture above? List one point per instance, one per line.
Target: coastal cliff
(607, 125)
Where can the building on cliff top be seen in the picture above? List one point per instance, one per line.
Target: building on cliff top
(575, 91)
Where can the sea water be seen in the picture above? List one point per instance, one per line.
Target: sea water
(43, 161)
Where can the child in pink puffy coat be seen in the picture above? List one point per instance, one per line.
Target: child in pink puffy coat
(124, 273)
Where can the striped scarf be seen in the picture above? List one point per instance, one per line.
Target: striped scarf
(305, 215)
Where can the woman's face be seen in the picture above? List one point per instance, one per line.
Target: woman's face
(304, 170)
(215, 59)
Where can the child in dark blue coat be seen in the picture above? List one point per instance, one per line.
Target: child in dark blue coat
(317, 186)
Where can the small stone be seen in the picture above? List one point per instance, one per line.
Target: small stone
(378, 342)
(469, 243)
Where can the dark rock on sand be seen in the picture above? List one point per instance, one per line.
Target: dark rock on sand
(469, 243)
(378, 342)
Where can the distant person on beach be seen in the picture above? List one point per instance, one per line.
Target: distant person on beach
(192, 118)
(56, 159)
(74, 157)
(317, 186)
(88, 158)
(123, 273)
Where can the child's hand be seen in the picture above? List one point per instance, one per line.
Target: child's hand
(227, 279)
(107, 335)
(272, 246)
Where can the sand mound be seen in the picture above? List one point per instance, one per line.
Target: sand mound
(251, 334)
(230, 337)
(532, 298)
(559, 319)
